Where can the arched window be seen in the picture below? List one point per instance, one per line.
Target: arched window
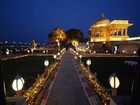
(115, 32)
(111, 33)
(97, 34)
(124, 31)
(119, 33)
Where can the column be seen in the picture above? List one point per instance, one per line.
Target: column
(121, 32)
(125, 31)
(117, 32)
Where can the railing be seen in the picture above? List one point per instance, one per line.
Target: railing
(102, 92)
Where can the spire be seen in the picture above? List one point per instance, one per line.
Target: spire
(103, 16)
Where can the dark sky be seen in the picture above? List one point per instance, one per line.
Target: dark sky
(24, 20)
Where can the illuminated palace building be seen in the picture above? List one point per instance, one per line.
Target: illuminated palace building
(108, 34)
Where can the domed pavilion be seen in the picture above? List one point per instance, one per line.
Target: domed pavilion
(104, 30)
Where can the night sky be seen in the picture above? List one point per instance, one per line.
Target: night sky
(25, 20)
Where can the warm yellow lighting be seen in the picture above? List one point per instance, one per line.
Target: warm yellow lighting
(134, 52)
(134, 38)
(101, 25)
(74, 42)
(80, 56)
(58, 53)
(105, 30)
(77, 53)
(54, 56)
(104, 42)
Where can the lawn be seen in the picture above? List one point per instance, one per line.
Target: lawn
(27, 67)
(106, 66)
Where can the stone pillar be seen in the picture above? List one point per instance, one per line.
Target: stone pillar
(117, 33)
(125, 31)
(121, 32)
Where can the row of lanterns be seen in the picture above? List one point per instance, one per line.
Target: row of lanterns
(113, 80)
(19, 82)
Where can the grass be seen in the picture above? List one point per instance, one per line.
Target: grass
(27, 67)
(106, 66)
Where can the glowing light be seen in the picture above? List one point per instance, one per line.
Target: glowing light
(32, 50)
(134, 38)
(88, 62)
(7, 52)
(101, 25)
(77, 53)
(18, 83)
(46, 62)
(28, 51)
(80, 56)
(134, 52)
(43, 51)
(104, 42)
(54, 56)
(114, 81)
(115, 48)
(58, 53)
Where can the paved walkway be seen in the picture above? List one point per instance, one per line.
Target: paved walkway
(67, 89)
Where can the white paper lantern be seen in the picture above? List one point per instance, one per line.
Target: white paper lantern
(18, 83)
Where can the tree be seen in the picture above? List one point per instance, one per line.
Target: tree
(57, 35)
(74, 34)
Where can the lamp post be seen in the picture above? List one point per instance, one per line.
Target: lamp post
(58, 43)
(7, 52)
(88, 62)
(80, 56)
(18, 83)
(2, 94)
(114, 83)
(88, 48)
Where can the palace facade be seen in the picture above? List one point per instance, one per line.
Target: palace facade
(110, 37)
(105, 30)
